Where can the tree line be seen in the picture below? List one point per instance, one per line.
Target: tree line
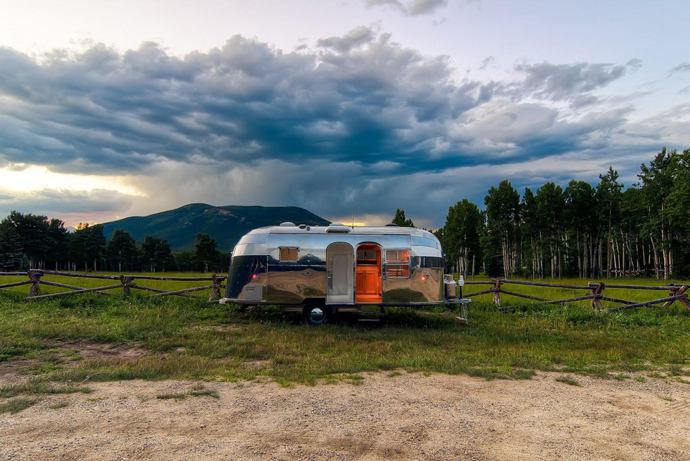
(582, 230)
(35, 241)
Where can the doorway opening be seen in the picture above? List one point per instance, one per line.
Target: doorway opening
(368, 286)
(339, 265)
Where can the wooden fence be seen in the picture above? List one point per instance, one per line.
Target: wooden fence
(595, 292)
(126, 283)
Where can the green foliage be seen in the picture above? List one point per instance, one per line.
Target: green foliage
(502, 226)
(87, 245)
(32, 230)
(207, 254)
(584, 230)
(156, 255)
(10, 247)
(401, 220)
(461, 237)
(122, 252)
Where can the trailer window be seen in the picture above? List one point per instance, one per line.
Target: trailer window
(425, 242)
(366, 256)
(398, 264)
(289, 253)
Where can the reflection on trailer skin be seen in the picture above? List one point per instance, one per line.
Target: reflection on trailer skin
(337, 266)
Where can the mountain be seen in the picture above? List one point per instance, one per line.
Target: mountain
(226, 224)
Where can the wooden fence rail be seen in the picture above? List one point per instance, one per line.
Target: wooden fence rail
(595, 291)
(126, 283)
(677, 293)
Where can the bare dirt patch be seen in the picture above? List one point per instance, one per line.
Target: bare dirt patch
(408, 416)
(91, 350)
(68, 354)
(10, 369)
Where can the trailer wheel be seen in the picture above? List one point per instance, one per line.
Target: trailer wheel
(316, 314)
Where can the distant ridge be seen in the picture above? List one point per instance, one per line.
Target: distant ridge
(226, 224)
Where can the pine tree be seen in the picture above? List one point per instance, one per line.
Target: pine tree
(401, 220)
(206, 251)
(10, 247)
(122, 252)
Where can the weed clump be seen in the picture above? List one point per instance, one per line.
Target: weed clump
(568, 380)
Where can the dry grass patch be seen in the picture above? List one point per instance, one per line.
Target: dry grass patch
(16, 405)
(568, 380)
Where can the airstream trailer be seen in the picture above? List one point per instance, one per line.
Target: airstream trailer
(320, 270)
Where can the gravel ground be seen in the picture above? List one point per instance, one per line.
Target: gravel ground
(408, 416)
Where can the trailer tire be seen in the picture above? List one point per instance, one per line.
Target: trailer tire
(317, 314)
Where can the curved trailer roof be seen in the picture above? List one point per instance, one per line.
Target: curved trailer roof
(341, 229)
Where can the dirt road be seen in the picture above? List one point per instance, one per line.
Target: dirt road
(409, 416)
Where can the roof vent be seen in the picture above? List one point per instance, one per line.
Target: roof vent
(338, 228)
(287, 224)
(392, 225)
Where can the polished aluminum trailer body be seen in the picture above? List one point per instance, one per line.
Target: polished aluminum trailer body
(336, 265)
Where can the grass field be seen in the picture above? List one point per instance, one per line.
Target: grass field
(49, 341)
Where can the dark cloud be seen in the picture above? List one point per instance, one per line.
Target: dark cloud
(410, 7)
(356, 122)
(357, 98)
(570, 82)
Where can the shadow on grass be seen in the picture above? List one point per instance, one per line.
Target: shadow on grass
(436, 318)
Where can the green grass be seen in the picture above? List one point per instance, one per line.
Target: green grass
(16, 405)
(190, 339)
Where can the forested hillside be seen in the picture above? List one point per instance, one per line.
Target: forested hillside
(226, 224)
(193, 237)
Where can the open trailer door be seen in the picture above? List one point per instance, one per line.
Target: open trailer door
(340, 273)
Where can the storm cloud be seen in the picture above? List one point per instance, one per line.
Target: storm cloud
(574, 82)
(354, 122)
(356, 98)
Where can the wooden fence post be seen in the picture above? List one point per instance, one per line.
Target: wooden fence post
(684, 299)
(597, 293)
(126, 283)
(35, 279)
(215, 289)
(678, 290)
(496, 290)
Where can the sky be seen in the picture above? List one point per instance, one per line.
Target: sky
(349, 108)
